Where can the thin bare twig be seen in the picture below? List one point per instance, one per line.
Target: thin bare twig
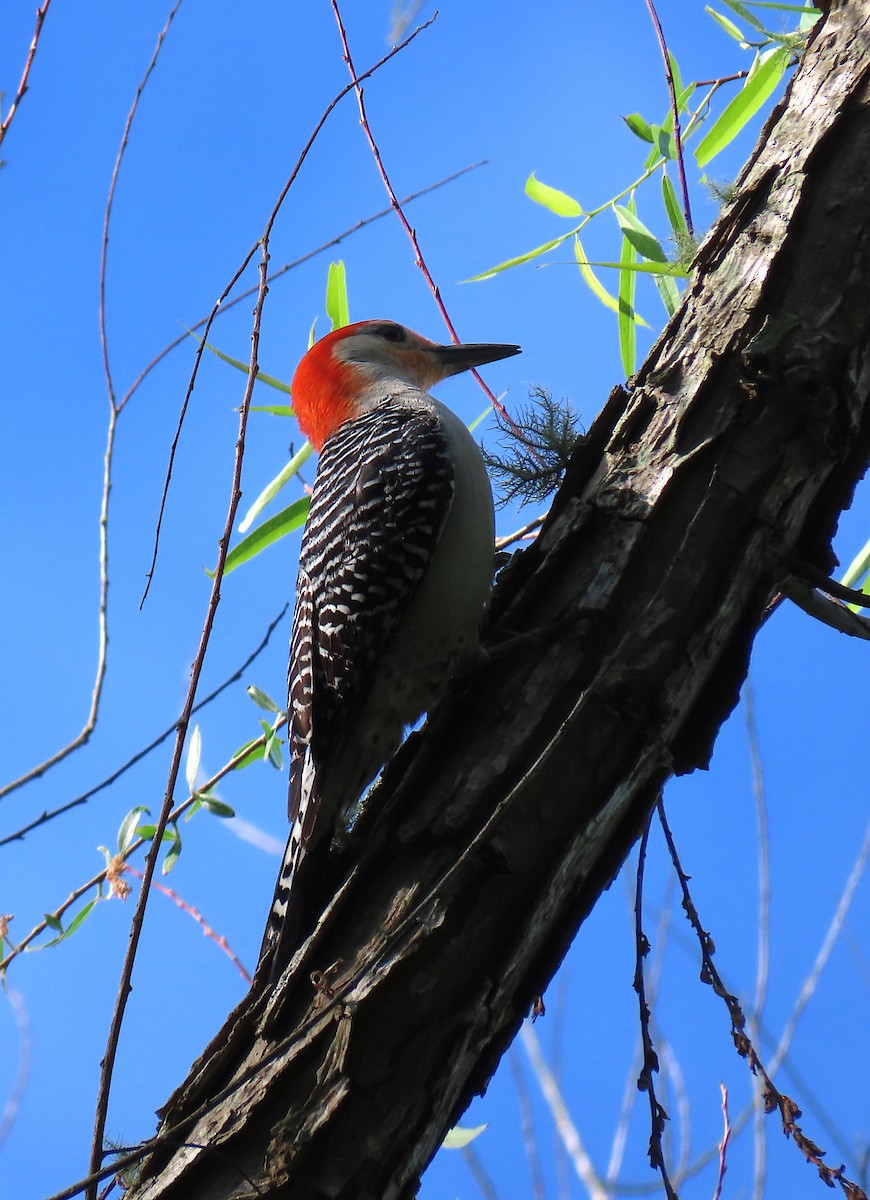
(25, 74)
(397, 207)
(108, 456)
(19, 834)
(774, 1100)
(290, 266)
(649, 1060)
(675, 113)
(526, 531)
(527, 1126)
(584, 1168)
(107, 1064)
(247, 259)
(101, 877)
(763, 953)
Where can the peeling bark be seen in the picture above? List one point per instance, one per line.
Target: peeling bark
(493, 834)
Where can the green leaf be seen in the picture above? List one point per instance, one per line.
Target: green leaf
(174, 850)
(654, 157)
(520, 259)
(127, 830)
(272, 489)
(479, 420)
(677, 77)
(676, 217)
(665, 144)
(730, 28)
(250, 752)
(79, 919)
(459, 1137)
(194, 753)
(147, 832)
(858, 570)
(594, 283)
(667, 270)
(640, 237)
(336, 296)
(262, 700)
(283, 522)
(276, 410)
(626, 316)
(273, 752)
(744, 14)
(216, 807)
(53, 922)
(668, 291)
(261, 376)
(744, 106)
(557, 202)
(639, 127)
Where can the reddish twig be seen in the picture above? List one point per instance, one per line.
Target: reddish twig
(723, 1145)
(773, 1099)
(650, 1062)
(396, 205)
(290, 266)
(198, 917)
(675, 113)
(25, 74)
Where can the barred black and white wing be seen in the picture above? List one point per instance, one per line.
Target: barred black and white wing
(382, 494)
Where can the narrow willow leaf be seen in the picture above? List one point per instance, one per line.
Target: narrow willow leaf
(730, 28)
(244, 367)
(594, 283)
(744, 106)
(273, 753)
(336, 295)
(271, 490)
(127, 830)
(677, 77)
(744, 14)
(520, 258)
(80, 917)
(250, 752)
(53, 922)
(312, 333)
(194, 752)
(217, 807)
(625, 317)
(173, 852)
(276, 410)
(654, 157)
(459, 1136)
(675, 214)
(858, 567)
(639, 127)
(667, 270)
(261, 700)
(668, 291)
(479, 420)
(147, 832)
(640, 237)
(557, 202)
(283, 522)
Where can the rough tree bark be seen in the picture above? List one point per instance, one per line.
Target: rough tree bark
(701, 488)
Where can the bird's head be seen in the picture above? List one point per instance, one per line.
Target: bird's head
(345, 368)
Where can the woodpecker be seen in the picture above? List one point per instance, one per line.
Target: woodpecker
(395, 570)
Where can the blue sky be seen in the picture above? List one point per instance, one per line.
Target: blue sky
(235, 95)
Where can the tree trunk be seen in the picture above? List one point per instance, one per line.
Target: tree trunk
(494, 832)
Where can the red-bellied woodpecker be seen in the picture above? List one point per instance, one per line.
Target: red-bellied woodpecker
(395, 571)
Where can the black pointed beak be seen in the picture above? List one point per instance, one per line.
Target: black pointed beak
(471, 354)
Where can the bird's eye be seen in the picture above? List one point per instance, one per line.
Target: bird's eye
(393, 333)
